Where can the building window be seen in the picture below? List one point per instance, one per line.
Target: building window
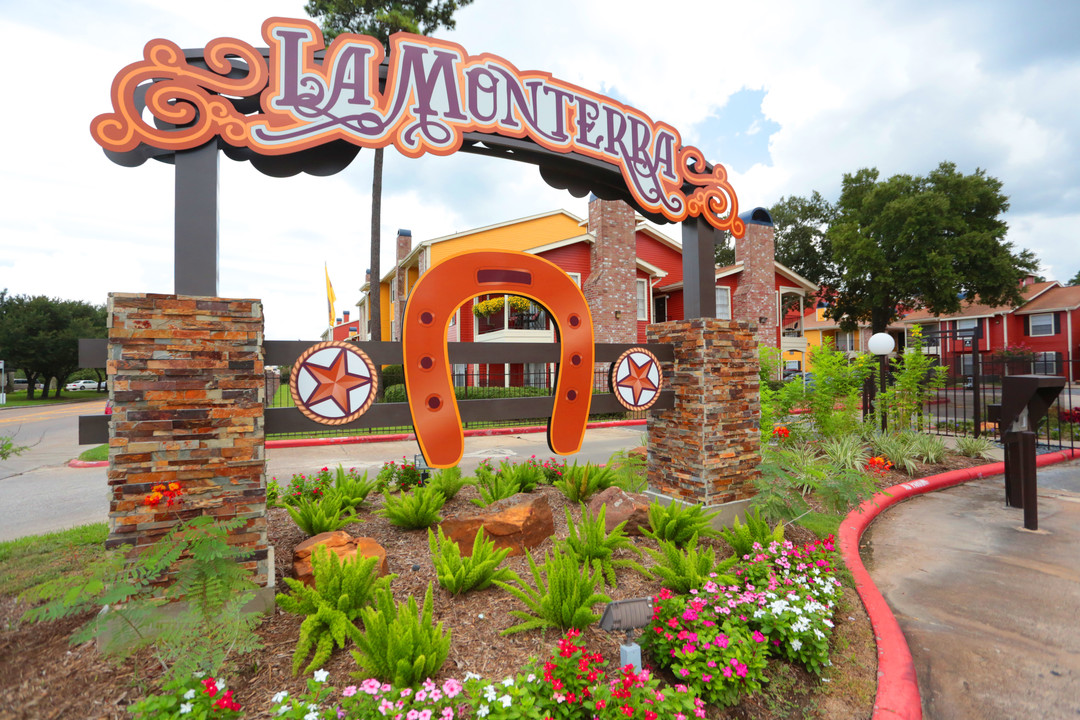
(454, 317)
(1046, 363)
(845, 341)
(459, 375)
(576, 277)
(1042, 325)
(723, 303)
(642, 299)
(967, 366)
(660, 309)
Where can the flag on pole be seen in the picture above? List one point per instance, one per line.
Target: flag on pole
(330, 297)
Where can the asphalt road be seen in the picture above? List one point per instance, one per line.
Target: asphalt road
(39, 493)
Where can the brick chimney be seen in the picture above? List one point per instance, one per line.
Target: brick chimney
(345, 315)
(754, 300)
(404, 247)
(610, 287)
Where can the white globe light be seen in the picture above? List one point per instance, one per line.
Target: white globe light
(881, 344)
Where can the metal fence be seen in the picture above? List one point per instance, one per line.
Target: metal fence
(964, 405)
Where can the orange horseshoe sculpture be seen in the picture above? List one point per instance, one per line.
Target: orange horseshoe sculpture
(431, 305)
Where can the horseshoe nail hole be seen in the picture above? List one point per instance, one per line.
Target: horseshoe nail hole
(574, 321)
(427, 362)
(426, 318)
(434, 402)
(575, 359)
(571, 394)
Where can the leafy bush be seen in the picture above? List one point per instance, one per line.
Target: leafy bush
(527, 475)
(686, 569)
(306, 487)
(413, 510)
(460, 574)
(778, 495)
(273, 493)
(846, 451)
(834, 397)
(342, 589)
(678, 523)
(493, 488)
(564, 595)
(352, 487)
(449, 482)
(930, 449)
(915, 378)
(590, 543)
(581, 482)
(396, 393)
(321, 515)
(898, 448)
(394, 476)
(741, 537)
(630, 471)
(397, 645)
(844, 489)
(974, 447)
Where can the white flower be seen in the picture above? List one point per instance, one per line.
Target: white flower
(471, 676)
(189, 694)
(185, 708)
(827, 621)
(277, 698)
(284, 709)
(321, 675)
(221, 683)
(796, 644)
(508, 682)
(505, 700)
(482, 711)
(313, 715)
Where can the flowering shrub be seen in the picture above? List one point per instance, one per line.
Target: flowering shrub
(399, 476)
(639, 695)
(878, 465)
(718, 638)
(496, 304)
(780, 432)
(370, 699)
(552, 468)
(305, 487)
(193, 699)
(1070, 416)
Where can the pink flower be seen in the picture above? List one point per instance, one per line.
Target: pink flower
(349, 691)
(758, 637)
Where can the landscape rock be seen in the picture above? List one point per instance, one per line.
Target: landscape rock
(518, 522)
(343, 545)
(622, 506)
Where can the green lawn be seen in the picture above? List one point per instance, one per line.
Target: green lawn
(30, 561)
(18, 398)
(95, 454)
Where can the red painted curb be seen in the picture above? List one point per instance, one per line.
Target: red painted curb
(88, 463)
(898, 688)
(480, 432)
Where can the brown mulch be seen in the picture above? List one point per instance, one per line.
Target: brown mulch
(42, 677)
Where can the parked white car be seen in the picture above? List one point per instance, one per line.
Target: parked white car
(82, 385)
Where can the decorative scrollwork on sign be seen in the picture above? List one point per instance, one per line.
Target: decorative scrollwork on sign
(182, 95)
(714, 198)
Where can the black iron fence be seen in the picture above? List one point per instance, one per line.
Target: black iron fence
(972, 388)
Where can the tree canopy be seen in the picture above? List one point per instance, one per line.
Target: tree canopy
(40, 336)
(911, 242)
(1075, 279)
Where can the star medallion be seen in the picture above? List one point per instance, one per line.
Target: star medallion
(635, 379)
(325, 381)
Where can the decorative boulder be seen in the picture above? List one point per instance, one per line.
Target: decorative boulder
(342, 544)
(518, 522)
(621, 505)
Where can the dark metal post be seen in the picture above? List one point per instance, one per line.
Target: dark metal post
(884, 360)
(1028, 484)
(976, 385)
(699, 268)
(195, 241)
(1014, 471)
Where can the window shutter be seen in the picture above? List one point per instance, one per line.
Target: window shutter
(1057, 323)
(1027, 325)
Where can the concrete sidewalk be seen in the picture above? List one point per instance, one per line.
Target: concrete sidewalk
(991, 612)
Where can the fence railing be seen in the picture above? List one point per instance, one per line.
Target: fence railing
(952, 410)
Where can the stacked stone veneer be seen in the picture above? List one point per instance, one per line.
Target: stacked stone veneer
(754, 300)
(188, 392)
(707, 448)
(610, 286)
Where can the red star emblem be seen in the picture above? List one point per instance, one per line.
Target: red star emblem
(637, 380)
(335, 382)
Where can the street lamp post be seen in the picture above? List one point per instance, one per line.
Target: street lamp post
(881, 344)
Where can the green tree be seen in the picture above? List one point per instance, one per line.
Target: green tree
(1075, 279)
(911, 242)
(40, 336)
(381, 19)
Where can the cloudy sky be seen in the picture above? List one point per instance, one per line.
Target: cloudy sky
(788, 95)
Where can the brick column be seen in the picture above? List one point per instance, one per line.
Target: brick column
(188, 391)
(754, 300)
(610, 286)
(707, 448)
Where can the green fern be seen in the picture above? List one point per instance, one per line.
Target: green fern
(460, 574)
(449, 482)
(526, 475)
(493, 488)
(342, 589)
(413, 510)
(580, 482)
(564, 596)
(742, 537)
(683, 570)
(352, 489)
(397, 646)
(630, 470)
(678, 522)
(319, 515)
(590, 543)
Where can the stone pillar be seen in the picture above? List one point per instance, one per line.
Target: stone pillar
(188, 392)
(707, 448)
(610, 287)
(754, 300)
(403, 246)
